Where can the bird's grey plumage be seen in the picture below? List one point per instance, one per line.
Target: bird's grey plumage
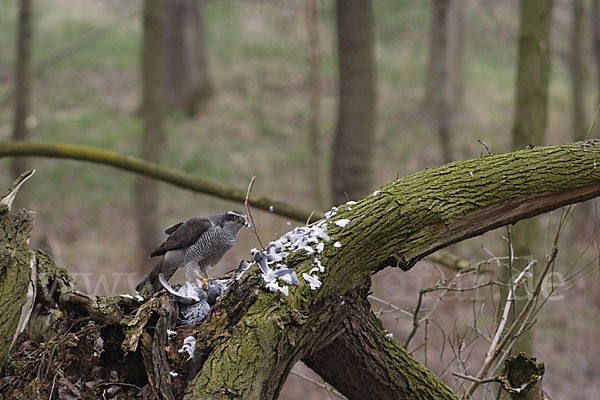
(199, 243)
(192, 314)
(213, 292)
(196, 244)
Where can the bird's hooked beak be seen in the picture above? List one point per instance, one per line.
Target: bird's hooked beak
(244, 220)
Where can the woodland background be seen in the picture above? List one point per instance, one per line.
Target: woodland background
(257, 119)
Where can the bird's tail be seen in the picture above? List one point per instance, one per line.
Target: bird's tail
(151, 284)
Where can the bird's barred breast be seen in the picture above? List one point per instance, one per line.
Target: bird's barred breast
(209, 248)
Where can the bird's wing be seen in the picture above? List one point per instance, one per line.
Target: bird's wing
(173, 228)
(184, 236)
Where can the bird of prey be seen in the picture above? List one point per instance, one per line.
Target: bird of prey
(196, 244)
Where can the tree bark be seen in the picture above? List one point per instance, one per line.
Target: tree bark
(22, 90)
(596, 44)
(383, 373)
(146, 190)
(188, 83)
(18, 272)
(529, 127)
(351, 175)
(579, 123)
(254, 337)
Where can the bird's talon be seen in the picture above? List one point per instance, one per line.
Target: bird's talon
(204, 284)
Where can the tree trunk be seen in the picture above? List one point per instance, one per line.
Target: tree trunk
(361, 340)
(579, 123)
(254, 337)
(456, 54)
(314, 88)
(351, 175)
(146, 190)
(533, 72)
(22, 94)
(188, 83)
(18, 272)
(596, 44)
(444, 83)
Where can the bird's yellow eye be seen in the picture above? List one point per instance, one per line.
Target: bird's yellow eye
(235, 217)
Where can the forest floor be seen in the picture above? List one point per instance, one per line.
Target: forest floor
(256, 124)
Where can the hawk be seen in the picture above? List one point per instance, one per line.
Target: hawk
(196, 244)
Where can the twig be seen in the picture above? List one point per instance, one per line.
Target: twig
(327, 389)
(415, 319)
(319, 384)
(486, 147)
(53, 385)
(309, 218)
(507, 306)
(131, 385)
(247, 206)
(473, 379)
(594, 121)
(516, 324)
(392, 305)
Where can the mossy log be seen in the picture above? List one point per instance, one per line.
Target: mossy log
(254, 337)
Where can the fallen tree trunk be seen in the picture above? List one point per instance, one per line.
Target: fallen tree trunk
(254, 337)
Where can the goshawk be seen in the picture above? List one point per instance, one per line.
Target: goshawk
(197, 244)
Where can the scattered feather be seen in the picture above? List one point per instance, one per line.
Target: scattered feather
(342, 222)
(314, 281)
(320, 247)
(273, 286)
(319, 265)
(189, 344)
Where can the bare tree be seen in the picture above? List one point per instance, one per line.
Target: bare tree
(529, 127)
(351, 172)
(577, 68)
(188, 82)
(22, 91)
(146, 190)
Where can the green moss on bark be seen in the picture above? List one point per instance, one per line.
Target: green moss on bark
(16, 285)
